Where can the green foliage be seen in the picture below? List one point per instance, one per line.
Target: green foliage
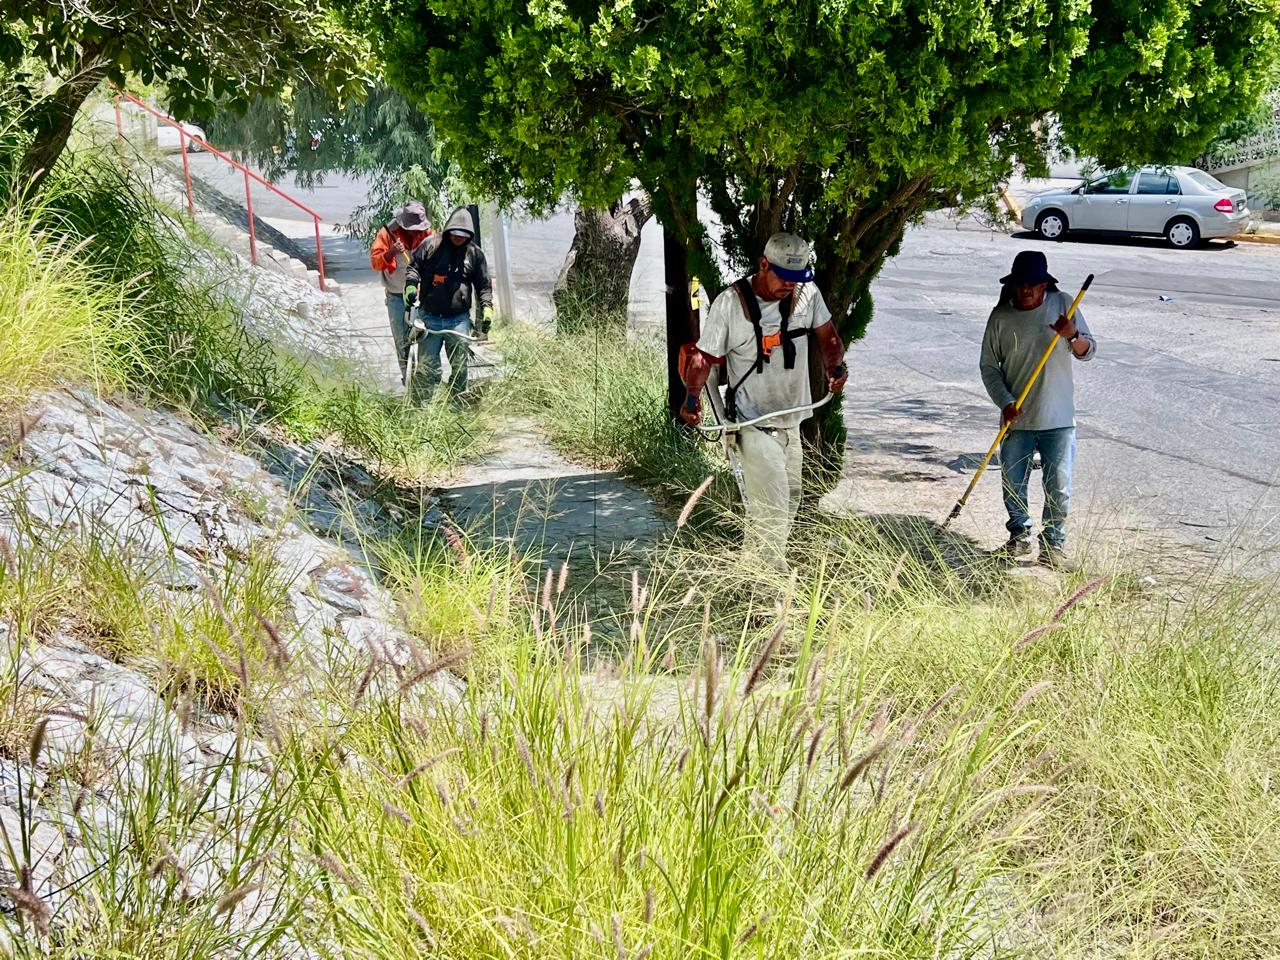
(308, 131)
(839, 120)
(202, 53)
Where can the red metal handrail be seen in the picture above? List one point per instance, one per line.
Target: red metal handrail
(183, 136)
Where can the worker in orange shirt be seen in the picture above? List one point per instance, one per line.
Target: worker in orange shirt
(390, 254)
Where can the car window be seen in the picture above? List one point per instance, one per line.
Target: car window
(1206, 181)
(1158, 183)
(1117, 182)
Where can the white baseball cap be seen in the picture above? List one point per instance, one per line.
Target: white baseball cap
(789, 257)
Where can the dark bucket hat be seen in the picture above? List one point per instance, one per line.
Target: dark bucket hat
(1029, 268)
(413, 217)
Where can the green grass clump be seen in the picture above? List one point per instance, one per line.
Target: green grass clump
(458, 601)
(209, 644)
(59, 320)
(602, 398)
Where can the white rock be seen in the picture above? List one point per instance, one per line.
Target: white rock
(44, 843)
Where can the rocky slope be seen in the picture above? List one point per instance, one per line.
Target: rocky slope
(89, 725)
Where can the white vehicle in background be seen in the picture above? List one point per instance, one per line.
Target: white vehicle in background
(170, 141)
(1183, 204)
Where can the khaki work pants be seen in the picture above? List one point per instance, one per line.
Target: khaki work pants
(771, 463)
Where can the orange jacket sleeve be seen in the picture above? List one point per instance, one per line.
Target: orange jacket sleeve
(382, 257)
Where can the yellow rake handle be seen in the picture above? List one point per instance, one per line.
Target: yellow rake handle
(1026, 391)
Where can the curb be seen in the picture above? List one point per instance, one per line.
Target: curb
(1254, 238)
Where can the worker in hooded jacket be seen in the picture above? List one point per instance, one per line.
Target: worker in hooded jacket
(444, 274)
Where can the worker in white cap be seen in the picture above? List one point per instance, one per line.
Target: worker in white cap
(760, 328)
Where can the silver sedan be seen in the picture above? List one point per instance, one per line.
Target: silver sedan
(1183, 204)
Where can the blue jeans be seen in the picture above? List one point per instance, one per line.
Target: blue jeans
(399, 330)
(427, 376)
(1057, 456)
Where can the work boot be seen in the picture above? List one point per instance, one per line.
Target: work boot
(1056, 558)
(1018, 546)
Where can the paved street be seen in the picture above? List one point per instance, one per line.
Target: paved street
(1179, 413)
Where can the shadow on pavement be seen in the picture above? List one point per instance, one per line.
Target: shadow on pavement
(1123, 240)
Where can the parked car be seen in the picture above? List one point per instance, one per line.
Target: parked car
(169, 140)
(1183, 204)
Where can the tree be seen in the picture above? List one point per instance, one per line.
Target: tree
(841, 121)
(203, 53)
(307, 131)
(595, 281)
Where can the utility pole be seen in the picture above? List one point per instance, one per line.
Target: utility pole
(500, 264)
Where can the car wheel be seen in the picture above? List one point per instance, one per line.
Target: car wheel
(1052, 225)
(1182, 233)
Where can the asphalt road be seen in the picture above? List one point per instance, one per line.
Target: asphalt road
(1179, 413)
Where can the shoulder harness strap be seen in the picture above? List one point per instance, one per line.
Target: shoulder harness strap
(751, 309)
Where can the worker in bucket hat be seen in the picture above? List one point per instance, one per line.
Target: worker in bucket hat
(392, 248)
(1031, 312)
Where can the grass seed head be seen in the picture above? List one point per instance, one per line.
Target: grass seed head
(1031, 693)
(886, 850)
(522, 748)
(687, 510)
(711, 680)
(1077, 596)
(424, 767)
(766, 655)
(362, 684)
(812, 753)
(6, 552)
(396, 813)
(620, 949)
(424, 928)
(1031, 636)
(682, 760)
(36, 744)
(329, 860)
(277, 649)
(865, 760)
(1018, 790)
(229, 901)
(442, 792)
(435, 666)
(32, 907)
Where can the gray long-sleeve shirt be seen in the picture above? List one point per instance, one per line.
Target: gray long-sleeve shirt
(1012, 346)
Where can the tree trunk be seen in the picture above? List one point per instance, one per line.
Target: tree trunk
(595, 282)
(679, 325)
(52, 119)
